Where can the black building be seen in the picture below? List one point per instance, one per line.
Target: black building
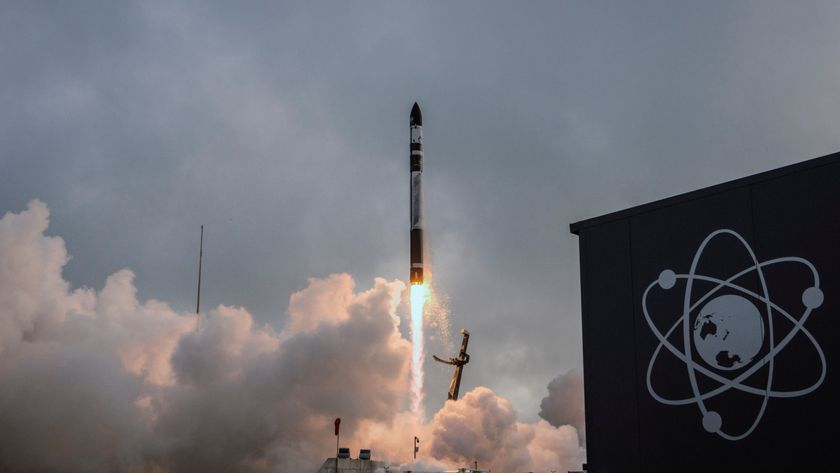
(710, 327)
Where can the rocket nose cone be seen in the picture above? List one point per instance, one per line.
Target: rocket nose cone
(416, 116)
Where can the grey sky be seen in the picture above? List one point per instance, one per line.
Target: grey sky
(283, 128)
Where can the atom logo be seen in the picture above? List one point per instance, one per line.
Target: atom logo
(731, 328)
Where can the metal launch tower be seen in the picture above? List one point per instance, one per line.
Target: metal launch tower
(462, 359)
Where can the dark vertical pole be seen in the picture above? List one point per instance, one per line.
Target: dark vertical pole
(200, 251)
(337, 429)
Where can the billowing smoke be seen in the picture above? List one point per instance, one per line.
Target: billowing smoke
(564, 403)
(95, 380)
(77, 368)
(483, 427)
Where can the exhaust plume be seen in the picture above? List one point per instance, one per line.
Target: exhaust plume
(95, 380)
(418, 296)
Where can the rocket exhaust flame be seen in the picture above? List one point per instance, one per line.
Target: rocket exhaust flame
(419, 295)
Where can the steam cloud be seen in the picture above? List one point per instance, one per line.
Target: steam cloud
(564, 403)
(482, 426)
(95, 380)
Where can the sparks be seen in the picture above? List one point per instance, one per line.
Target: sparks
(419, 295)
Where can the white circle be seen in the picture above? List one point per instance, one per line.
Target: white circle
(667, 279)
(812, 297)
(712, 421)
(728, 332)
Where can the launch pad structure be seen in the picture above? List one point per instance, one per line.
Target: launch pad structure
(458, 362)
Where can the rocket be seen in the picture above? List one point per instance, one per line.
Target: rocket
(416, 189)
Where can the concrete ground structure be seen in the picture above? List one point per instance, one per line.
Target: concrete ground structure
(356, 465)
(352, 465)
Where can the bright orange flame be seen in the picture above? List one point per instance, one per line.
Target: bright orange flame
(419, 296)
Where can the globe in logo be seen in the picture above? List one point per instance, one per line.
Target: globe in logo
(728, 332)
(736, 334)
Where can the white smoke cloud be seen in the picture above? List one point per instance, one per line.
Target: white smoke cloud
(483, 426)
(75, 366)
(564, 403)
(96, 380)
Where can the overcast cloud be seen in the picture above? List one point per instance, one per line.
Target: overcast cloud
(282, 127)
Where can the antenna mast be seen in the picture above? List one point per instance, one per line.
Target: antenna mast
(200, 252)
